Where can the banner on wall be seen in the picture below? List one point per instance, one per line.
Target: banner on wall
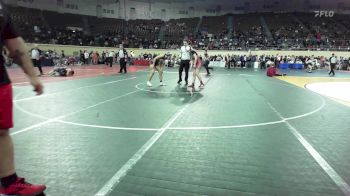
(74, 28)
(132, 13)
(25, 3)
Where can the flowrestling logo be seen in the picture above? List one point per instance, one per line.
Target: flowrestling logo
(324, 13)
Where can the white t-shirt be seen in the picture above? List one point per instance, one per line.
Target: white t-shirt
(111, 54)
(86, 55)
(311, 61)
(35, 54)
(205, 58)
(121, 54)
(333, 59)
(185, 53)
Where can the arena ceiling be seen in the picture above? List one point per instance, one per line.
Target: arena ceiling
(220, 2)
(174, 1)
(163, 1)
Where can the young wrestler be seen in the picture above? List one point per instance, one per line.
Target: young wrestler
(157, 64)
(10, 183)
(198, 61)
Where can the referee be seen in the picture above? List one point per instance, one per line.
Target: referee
(333, 60)
(185, 57)
(123, 56)
(35, 56)
(206, 62)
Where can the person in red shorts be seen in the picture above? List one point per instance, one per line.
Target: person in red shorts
(197, 63)
(272, 71)
(10, 183)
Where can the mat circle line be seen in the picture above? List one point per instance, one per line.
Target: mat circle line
(181, 128)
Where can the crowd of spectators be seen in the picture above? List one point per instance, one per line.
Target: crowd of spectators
(281, 31)
(262, 61)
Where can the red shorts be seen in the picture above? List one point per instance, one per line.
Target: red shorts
(6, 121)
(198, 66)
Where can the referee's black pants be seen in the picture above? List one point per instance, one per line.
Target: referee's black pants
(206, 65)
(122, 63)
(110, 61)
(332, 69)
(184, 64)
(37, 64)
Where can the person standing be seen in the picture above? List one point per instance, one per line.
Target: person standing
(196, 70)
(111, 58)
(82, 58)
(86, 57)
(103, 57)
(263, 62)
(185, 56)
(241, 58)
(206, 62)
(10, 183)
(123, 56)
(94, 58)
(333, 60)
(62, 54)
(106, 57)
(157, 64)
(35, 56)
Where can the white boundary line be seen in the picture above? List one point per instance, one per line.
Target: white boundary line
(70, 114)
(15, 84)
(339, 181)
(126, 167)
(190, 73)
(108, 187)
(83, 125)
(253, 125)
(30, 127)
(108, 127)
(70, 90)
(172, 128)
(154, 91)
(73, 78)
(183, 128)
